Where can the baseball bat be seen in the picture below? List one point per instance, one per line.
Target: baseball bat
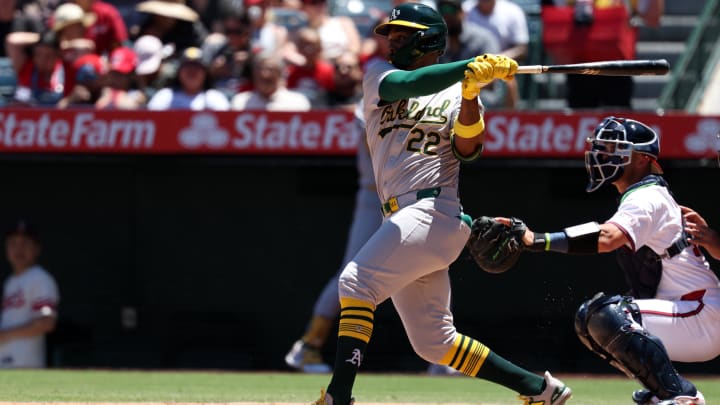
(654, 67)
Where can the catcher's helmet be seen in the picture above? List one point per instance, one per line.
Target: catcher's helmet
(431, 34)
(612, 144)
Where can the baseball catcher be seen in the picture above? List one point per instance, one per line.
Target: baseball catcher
(494, 246)
(672, 311)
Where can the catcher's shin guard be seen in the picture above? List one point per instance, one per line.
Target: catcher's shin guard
(610, 326)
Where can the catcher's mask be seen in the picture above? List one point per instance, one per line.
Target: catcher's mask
(431, 34)
(611, 148)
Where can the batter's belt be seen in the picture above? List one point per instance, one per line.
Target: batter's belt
(394, 204)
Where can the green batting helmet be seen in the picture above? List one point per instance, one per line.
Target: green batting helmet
(431, 32)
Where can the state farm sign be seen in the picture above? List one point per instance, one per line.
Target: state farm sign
(81, 131)
(286, 133)
(508, 134)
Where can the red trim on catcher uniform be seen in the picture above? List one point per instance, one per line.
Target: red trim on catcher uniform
(627, 236)
(693, 296)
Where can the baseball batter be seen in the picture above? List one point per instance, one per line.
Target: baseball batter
(673, 313)
(30, 298)
(420, 124)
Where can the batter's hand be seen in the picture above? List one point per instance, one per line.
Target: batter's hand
(504, 68)
(481, 72)
(471, 86)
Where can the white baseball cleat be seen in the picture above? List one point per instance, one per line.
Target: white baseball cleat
(555, 393)
(697, 399)
(306, 359)
(645, 397)
(438, 369)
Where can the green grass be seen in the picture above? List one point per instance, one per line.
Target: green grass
(93, 386)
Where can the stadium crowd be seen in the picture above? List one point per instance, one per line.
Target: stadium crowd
(169, 54)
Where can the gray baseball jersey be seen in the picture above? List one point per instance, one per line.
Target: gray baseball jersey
(409, 139)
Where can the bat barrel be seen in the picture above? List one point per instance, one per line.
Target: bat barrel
(604, 68)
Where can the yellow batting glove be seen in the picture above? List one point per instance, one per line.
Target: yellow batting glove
(483, 72)
(470, 86)
(503, 67)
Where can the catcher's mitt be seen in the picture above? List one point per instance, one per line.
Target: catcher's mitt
(494, 246)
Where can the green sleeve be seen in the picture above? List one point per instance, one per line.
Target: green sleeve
(402, 84)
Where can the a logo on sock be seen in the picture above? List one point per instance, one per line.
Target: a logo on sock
(356, 358)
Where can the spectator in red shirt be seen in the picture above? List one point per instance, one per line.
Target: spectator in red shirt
(41, 78)
(314, 77)
(109, 30)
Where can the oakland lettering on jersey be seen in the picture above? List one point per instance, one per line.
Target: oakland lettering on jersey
(400, 111)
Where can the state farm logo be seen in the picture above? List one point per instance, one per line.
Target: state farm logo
(203, 131)
(258, 131)
(705, 138)
(81, 131)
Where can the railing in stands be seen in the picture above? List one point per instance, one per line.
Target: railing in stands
(691, 74)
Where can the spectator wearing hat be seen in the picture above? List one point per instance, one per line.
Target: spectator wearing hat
(41, 76)
(173, 22)
(30, 301)
(192, 89)
(152, 72)
(108, 31)
(119, 81)
(269, 92)
(70, 21)
(89, 73)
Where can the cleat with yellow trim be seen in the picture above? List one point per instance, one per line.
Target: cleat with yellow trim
(326, 399)
(555, 393)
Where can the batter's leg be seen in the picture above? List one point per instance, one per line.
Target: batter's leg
(433, 336)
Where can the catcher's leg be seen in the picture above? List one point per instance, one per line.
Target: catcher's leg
(611, 327)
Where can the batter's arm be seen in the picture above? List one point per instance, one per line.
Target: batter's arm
(469, 148)
(402, 84)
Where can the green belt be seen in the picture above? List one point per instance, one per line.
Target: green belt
(392, 204)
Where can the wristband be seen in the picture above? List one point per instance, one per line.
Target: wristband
(469, 131)
(550, 242)
(579, 240)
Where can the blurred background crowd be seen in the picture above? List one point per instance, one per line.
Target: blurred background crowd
(302, 54)
(168, 54)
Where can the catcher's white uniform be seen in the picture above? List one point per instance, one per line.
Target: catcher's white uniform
(685, 313)
(26, 297)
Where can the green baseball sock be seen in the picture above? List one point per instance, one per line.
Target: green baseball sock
(505, 373)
